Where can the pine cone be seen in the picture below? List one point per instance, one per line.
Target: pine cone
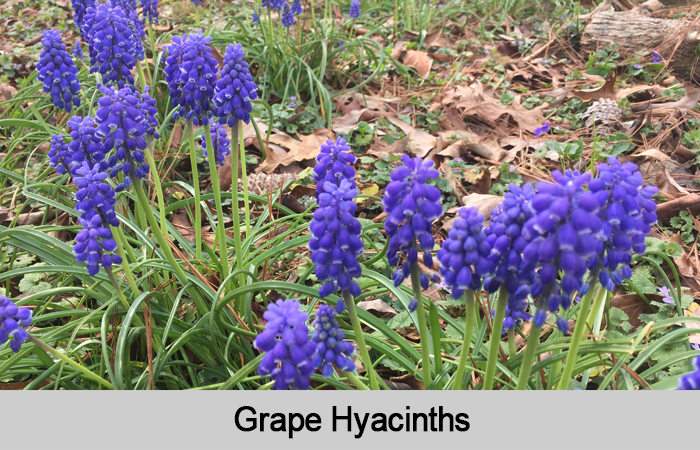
(262, 183)
(607, 114)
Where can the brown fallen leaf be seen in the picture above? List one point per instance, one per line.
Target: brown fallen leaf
(420, 141)
(607, 90)
(484, 203)
(378, 307)
(380, 147)
(307, 147)
(633, 306)
(418, 60)
(667, 210)
(182, 222)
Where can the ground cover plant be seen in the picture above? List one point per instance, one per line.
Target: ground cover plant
(343, 195)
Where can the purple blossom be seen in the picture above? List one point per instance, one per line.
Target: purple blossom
(86, 145)
(539, 131)
(297, 8)
(657, 58)
(60, 155)
(58, 72)
(691, 381)
(111, 43)
(288, 350)
(220, 142)
(330, 346)
(12, 319)
(354, 9)
(80, 8)
(150, 10)
(235, 88)
(288, 17)
(663, 290)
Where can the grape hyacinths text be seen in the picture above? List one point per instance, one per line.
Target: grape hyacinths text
(58, 72)
(330, 346)
(288, 350)
(235, 88)
(220, 142)
(12, 321)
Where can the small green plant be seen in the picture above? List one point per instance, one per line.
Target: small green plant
(686, 225)
(506, 177)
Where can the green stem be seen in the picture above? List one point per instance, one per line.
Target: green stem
(235, 132)
(120, 294)
(435, 331)
(360, 339)
(164, 246)
(159, 188)
(195, 180)
(468, 331)
(572, 354)
(597, 304)
(70, 362)
(127, 268)
(511, 342)
(216, 186)
(422, 326)
(142, 77)
(533, 341)
(495, 341)
(244, 178)
(355, 380)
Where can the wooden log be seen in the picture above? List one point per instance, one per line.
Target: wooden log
(633, 32)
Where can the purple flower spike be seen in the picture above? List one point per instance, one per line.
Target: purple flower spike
(235, 88)
(86, 144)
(80, 8)
(297, 8)
(664, 290)
(123, 119)
(60, 155)
(542, 130)
(355, 9)
(288, 17)
(77, 51)
(95, 200)
(220, 142)
(657, 58)
(330, 346)
(150, 10)
(12, 321)
(412, 205)
(58, 72)
(335, 244)
(691, 381)
(288, 350)
(112, 44)
(190, 71)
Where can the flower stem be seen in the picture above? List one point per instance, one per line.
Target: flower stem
(164, 246)
(422, 326)
(70, 362)
(216, 186)
(120, 294)
(533, 341)
(466, 344)
(495, 341)
(355, 380)
(159, 188)
(244, 177)
(572, 354)
(125, 262)
(360, 339)
(195, 180)
(511, 342)
(235, 132)
(435, 332)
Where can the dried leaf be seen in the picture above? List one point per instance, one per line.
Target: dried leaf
(307, 147)
(484, 203)
(419, 61)
(420, 141)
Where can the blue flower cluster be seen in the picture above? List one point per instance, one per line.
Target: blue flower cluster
(86, 144)
(80, 8)
(288, 17)
(150, 10)
(288, 349)
(77, 51)
(688, 382)
(235, 88)
(190, 71)
(297, 8)
(12, 319)
(628, 212)
(111, 43)
(276, 5)
(95, 200)
(330, 346)
(58, 72)
(505, 243)
(256, 17)
(335, 244)
(412, 206)
(59, 155)
(462, 257)
(123, 124)
(355, 9)
(220, 142)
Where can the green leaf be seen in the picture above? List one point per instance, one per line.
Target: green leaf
(399, 321)
(33, 282)
(642, 280)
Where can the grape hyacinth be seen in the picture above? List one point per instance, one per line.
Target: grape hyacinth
(12, 319)
(688, 382)
(256, 17)
(288, 350)
(628, 212)
(80, 8)
(78, 50)
(412, 206)
(190, 71)
(112, 44)
(220, 142)
(235, 88)
(276, 5)
(355, 9)
(95, 200)
(58, 72)
(86, 144)
(138, 31)
(288, 17)
(504, 243)
(334, 163)
(297, 8)
(59, 155)
(150, 10)
(330, 346)
(122, 124)
(462, 256)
